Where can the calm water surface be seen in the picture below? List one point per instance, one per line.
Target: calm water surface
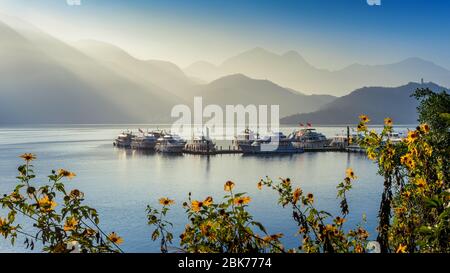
(120, 183)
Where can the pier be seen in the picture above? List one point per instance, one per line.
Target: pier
(215, 151)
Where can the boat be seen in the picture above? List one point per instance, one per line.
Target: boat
(146, 141)
(201, 144)
(124, 140)
(276, 143)
(246, 137)
(395, 137)
(351, 145)
(169, 143)
(308, 138)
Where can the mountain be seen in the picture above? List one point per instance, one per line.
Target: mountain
(292, 70)
(44, 80)
(376, 102)
(240, 89)
(162, 74)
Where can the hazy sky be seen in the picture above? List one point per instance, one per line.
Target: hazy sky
(328, 33)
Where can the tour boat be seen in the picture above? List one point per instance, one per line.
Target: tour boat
(170, 143)
(308, 138)
(144, 142)
(276, 143)
(124, 140)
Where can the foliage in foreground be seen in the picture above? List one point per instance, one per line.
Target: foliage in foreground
(69, 227)
(414, 214)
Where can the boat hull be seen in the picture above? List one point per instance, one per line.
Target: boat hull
(270, 149)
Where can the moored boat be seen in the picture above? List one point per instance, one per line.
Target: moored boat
(276, 143)
(308, 138)
(144, 142)
(124, 140)
(169, 143)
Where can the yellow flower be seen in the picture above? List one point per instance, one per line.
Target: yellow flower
(412, 136)
(166, 201)
(361, 127)
(196, 205)
(66, 173)
(259, 185)
(425, 128)
(208, 201)
(421, 183)
(229, 185)
(364, 118)
(46, 204)
(116, 239)
(388, 121)
(28, 157)
(296, 195)
(339, 221)
(401, 249)
(358, 248)
(242, 200)
(71, 224)
(350, 174)
(371, 155)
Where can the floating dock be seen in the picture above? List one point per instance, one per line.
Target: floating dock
(236, 150)
(217, 151)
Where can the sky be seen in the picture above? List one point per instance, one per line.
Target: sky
(329, 34)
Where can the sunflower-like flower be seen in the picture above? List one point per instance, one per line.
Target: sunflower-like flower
(71, 224)
(371, 155)
(339, 221)
(47, 205)
(364, 118)
(425, 128)
(166, 201)
(259, 185)
(401, 249)
(229, 185)
(296, 195)
(116, 239)
(361, 127)
(66, 173)
(350, 173)
(388, 122)
(412, 136)
(421, 183)
(28, 157)
(208, 201)
(196, 205)
(242, 200)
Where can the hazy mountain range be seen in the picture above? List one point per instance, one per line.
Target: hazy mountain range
(376, 102)
(290, 69)
(46, 80)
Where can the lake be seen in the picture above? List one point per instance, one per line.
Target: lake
(120, 183)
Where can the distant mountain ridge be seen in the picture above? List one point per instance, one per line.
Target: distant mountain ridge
(292, 70)
(376, 102)
(240, 89)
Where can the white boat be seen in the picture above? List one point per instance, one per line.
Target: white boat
(246, 137)
(308, 138)
(276, 143)
(169, 143)
(144, 142)
(124, 140)
(395, 137)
